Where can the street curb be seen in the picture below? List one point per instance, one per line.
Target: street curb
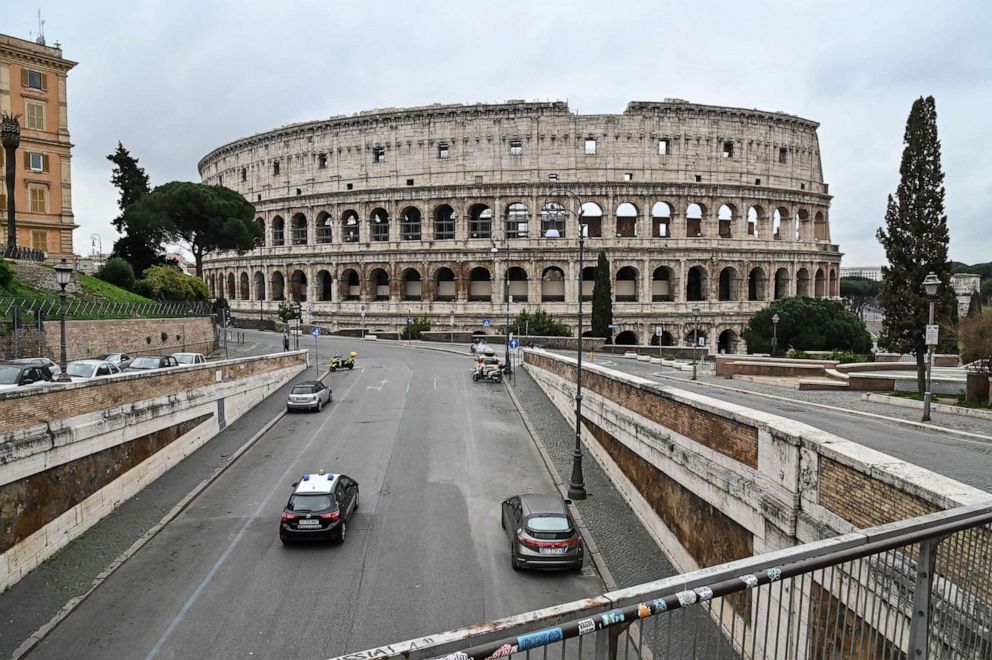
(918, 405)
(39, 635)
(591, 548)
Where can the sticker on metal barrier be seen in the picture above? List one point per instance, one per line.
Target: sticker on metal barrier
(774, 574)
(503, 651)
(750, 580)
(612, 617)
(659, 605)
(704, 593)
(586, 626)
(686, 598)
(539, 638)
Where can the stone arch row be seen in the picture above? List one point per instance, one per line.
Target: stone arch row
(419, 221)
(478, 282)
(687, 334)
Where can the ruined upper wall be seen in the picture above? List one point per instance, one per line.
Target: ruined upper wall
(769, 149)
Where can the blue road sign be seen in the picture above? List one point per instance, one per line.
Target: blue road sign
(486, 323)
(613, 326)
(514, 343)
(315, 332)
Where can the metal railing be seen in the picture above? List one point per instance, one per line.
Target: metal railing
(17, 252)
(79, 309)
(919, 588)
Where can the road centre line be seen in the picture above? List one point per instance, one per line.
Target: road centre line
(230, 547)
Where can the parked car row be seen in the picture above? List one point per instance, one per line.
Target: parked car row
(41, 370)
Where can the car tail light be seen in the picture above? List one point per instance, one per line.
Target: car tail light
(286, 517)
(331, 515)
(536, 544)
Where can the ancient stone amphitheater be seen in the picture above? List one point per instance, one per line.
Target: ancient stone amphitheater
(704, 213)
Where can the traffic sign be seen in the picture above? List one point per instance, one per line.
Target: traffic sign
(514, 343)
(658, 330)
(451, 318)
(613, 326)
(932, 335)
(486, 323)
(315, 332)
(362, 311)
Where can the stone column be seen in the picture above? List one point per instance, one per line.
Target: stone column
(676, 224)
(610, 218)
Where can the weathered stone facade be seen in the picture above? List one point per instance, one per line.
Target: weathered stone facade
(400, 210)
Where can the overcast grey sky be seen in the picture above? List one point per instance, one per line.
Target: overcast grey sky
(173, 79)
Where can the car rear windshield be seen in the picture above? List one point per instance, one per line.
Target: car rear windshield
(309, 503)
(8, 375)
(77, 369)
(548, 523)
(304, 389)
(145, 363)
(184, 359)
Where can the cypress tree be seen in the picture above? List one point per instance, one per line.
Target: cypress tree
(129, 179)
(602, 299)
(915, 238)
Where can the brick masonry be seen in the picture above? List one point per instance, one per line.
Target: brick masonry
(864, 501)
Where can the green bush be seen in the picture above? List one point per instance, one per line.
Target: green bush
(415, 329)
(117, 272)
(539, 324)
(170, 283)
(6, 275)
(808, 324)
(286, 311)
(144, 289)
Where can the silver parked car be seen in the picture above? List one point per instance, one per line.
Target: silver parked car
(122, 360)
(150, 362)
(189, 358)
(308, 395)
(86, 369)
(542, 533)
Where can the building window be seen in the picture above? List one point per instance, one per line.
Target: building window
(552, 178)
(220, 179)
(728, 149)
(516, 147)
(662, 147)
(590, 146)
(321, 161)
(299, 191)
(783, 154)
(38, 199)
(379, 155)
(699, 179)
(36, 162)
(628, 176)
(3, 202)
(244, 174)
(409, 182)
(34, 79)
(34, 116)
(442, 150)
(350, 186)
(275, 168)
(39, 240)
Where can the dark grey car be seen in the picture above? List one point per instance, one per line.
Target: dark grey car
(542, 532)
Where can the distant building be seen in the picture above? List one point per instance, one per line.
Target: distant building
(869, 272)
(964, 284)
(180, 259)
(33, 85)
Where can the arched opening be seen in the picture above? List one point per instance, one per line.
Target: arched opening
(726, 215)
(444, 284)
(245, 292)
(588, 281)
(517, 221)
(553, 285)
(819, 283)
(755, 215)
(661, 284)
(802, 282)
(729, 282)
(626, 285)
(480, 221)
(661, 220)
(592, 218)
(780, 216)
(726, 343)
(820, 232)
(626, 221)
(626, 338)
(518, 285)
(833, 284)
(278, 286)
(379, 223)
(412, 284)
(298, 286)
(694, 221)
(351, 285)
(230, 286)
(324, 226)
(349, 227)
(553, 220)
(666, 339)
(444, 223)
(802, 225)
(299, 229)
(411, 224)
(259, 285)
(695, 284)
(781, 283)
(379, 281)
(261, 231)
(324, 284)
(480, 285)
(756, 284)
(278, 231)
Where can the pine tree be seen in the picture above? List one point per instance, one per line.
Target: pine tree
(129, 179)
(602, 299)
(915, 239)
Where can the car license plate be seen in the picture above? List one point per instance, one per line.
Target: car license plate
(552, 551)
(309, 523)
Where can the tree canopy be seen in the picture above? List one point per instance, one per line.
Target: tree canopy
(808, 324)
(169, 283)
(602, 299)
(539, 324)
(129, 179)
(860, 291)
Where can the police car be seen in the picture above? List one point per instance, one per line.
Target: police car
(320, 508)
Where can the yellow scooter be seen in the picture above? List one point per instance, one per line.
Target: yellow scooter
(339, 362)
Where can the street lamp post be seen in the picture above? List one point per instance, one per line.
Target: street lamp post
(931, 284)
(506, 296)
(775, 320)
(695, 342)
(63, 272)
(10, 136)
(576, 485)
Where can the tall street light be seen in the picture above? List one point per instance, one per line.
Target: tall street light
(695, 341)
(775, 320)
(63, 273)
(506, 296)
(10, 136)
(931, 284)
(259, 242)
(576, 484)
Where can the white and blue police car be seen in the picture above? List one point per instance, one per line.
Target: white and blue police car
(320, 508)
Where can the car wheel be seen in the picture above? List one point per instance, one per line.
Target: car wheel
(320, 405)
(351, 366)
(288, 410)
(342, 532)
(356, 501)
(513, 558)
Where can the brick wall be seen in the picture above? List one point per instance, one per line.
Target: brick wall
(865, 501)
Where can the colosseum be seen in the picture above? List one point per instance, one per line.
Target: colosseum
(462, 213)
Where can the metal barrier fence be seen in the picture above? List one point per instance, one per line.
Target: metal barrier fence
(17, 252)
(919, 588)
(28, 309)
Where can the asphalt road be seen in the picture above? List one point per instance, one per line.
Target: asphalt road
(434, 454)
(958, 456)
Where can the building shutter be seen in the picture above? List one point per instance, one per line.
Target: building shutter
(27, 160)
(44, 162)
(24, 77)
(44, 82)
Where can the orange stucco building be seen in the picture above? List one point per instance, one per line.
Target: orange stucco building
(33, 85)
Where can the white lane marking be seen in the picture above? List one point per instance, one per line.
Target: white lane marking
(237, 537)
(408, 384)
(435, 383)
(379, 387)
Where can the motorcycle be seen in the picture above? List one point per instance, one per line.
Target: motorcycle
(490, 371)
(340, 362)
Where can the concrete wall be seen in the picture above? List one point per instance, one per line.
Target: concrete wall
(60, 474)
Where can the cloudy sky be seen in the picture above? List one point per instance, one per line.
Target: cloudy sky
(172, 79)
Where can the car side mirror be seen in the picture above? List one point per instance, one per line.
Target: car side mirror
(568, 501)
(27, 381)
(295, 484)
